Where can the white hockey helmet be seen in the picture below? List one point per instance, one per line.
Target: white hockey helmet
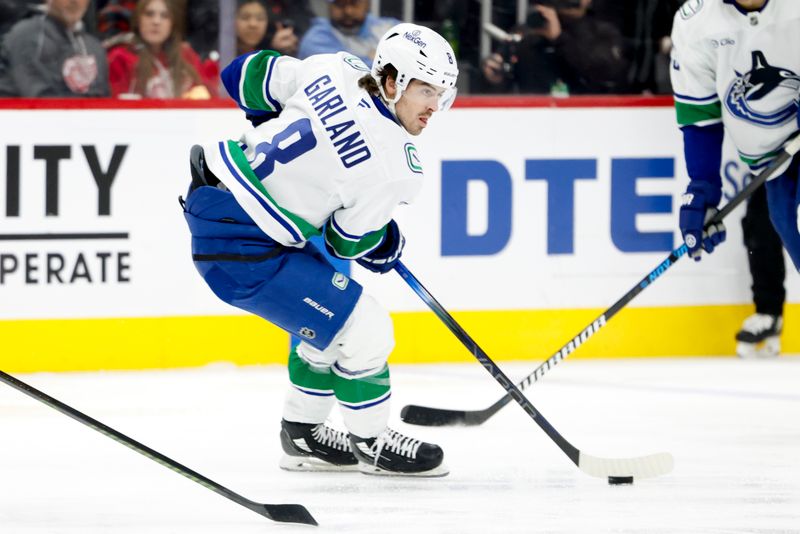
(417, 53)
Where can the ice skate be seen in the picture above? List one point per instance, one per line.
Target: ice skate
(759, 336)
(309, 447)
(394, 454)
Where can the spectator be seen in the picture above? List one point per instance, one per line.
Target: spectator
(114, 21)
(351, 28)
(289, 21)
(645, 26)
(526, 62)
(251, 26)
(282, 38)
(13, 11)
(202, 27)
(51, 55)
(291, 13)
(592, 52)
(156, 63)
(564, 47)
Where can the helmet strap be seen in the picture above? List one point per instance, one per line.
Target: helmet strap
(390, 103)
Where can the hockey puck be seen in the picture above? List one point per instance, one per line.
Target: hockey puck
(615, 481)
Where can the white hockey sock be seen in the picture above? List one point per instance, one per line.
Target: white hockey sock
(303, 407)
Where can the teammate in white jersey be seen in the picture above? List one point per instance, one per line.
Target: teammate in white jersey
(330, 154)
(736, 63)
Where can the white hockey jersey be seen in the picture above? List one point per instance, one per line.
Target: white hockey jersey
(741, 68)
(335, 158)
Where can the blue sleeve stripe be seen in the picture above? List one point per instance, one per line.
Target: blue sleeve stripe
(233, 79)
(230, 78)
(267, 96)
(342, 233)
(704, 99)
(759, 166)
(241, 80)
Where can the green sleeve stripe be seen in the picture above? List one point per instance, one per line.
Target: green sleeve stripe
(755, 161)
(352, 248)
(256, 81)
(360, 391)
(307, 229)
(690, 114)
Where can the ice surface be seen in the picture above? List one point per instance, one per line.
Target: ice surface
(733, 427)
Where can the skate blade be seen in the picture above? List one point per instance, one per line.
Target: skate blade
(374, 470)
(309, 463)
(769, 348)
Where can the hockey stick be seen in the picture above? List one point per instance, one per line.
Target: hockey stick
(427, 416)
(640, 467)
(286, 513)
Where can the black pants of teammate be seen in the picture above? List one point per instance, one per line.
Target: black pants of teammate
(765, 255)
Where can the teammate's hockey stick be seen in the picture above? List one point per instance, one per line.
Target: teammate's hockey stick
(286, 513)
(640, 467)
(428, 416)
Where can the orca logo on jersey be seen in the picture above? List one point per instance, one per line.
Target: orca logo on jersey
(774, 88)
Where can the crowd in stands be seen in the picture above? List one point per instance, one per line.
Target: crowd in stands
(170, 48)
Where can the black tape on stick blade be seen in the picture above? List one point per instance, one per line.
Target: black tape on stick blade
(620, 480)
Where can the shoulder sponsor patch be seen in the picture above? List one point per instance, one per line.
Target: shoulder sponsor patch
(690, 8)
(356, 63)
(412, 158)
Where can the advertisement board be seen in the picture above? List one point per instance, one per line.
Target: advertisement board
(533, 219)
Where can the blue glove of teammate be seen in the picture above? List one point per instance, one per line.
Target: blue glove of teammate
(697, 208)
(387, 254)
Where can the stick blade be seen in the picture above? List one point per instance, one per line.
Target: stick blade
(287, 513)
(425, 416)
(642, 467)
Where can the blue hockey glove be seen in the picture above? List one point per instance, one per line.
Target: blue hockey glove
(387, 254)
(698, 206)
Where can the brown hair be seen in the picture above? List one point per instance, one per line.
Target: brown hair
(182, 73)
(369, 84)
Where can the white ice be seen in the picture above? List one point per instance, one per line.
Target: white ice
(733, 427)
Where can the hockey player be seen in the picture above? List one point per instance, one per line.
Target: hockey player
(760, 332)
(332, 155)
(736, 63)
